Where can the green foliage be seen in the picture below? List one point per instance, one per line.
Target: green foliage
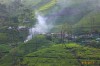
(4, 47)
(59, 55)
(3, 37)
(14, 15)
(37, 43)
(27, 18)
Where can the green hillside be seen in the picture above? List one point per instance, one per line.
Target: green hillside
(35, 44)
(55, 55)
(63, 55)
(62, 45)
(90, 21)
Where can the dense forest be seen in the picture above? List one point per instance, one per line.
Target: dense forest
(49, 33)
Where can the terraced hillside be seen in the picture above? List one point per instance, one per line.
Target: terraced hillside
(64, 55)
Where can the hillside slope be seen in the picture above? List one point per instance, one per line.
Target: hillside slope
(33, 45)
(63, 55)
(90, 21)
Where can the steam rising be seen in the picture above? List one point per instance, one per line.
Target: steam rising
(41, 27)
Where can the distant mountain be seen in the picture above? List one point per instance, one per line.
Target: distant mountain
(75, 13)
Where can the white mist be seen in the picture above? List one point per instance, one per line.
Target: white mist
(41, 27)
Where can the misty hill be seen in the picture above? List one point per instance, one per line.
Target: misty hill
(90, 21)
(75, 13)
